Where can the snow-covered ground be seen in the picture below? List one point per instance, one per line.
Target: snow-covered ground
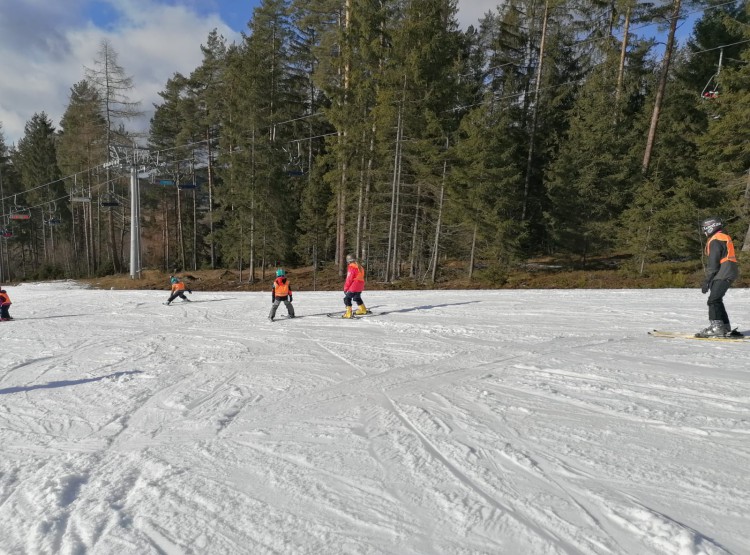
(451, 422)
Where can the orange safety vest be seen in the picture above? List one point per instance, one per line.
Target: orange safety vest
(730, 257)
(179, 286)
(4, 299)
(281, 289)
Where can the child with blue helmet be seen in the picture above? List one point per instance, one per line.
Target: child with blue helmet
(281, 291)
(178, 289)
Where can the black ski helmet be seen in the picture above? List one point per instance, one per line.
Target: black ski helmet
(709, 226)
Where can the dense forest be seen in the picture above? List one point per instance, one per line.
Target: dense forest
(552, 127)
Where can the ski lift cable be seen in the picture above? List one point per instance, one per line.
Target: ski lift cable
(720, 47)
(60, 199)
(518, 95)
(89, 169)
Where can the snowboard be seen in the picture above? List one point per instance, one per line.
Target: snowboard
(682, 335)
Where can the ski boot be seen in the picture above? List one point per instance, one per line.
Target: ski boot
(717, 328)
(348, 313)
(362, 309)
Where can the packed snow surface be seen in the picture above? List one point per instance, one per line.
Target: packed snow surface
(449, 422)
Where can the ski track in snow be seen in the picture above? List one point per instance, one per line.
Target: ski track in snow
(450, 422)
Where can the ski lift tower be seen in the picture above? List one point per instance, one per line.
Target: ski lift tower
(137, 160)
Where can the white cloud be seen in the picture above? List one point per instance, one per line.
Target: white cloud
(153, 42)
(471, 11)
(44, 46)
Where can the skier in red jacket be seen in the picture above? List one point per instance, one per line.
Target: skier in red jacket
(353, 287)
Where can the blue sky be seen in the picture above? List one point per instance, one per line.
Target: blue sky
(235, 13)
(45, 44)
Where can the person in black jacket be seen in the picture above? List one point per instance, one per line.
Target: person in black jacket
(721, 271)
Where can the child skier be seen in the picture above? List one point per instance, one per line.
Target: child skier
(178, 289)
(281, 291)
(353, 287)
(721, 271)
(4, 305)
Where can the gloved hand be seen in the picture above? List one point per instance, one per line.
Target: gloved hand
(190, 292)
(273, 300)
(290, 298)
(705, 287)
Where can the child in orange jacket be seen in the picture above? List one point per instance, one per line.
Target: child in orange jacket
(281, 291)
(4, 305)
(178, 289)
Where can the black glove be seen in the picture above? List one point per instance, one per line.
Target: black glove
(290, 298)
(705, 287)
(273, 301)
(190, 292)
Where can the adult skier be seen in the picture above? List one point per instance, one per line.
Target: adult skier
(721, 271)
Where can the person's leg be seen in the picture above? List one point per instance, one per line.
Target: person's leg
(716, 309)
(360, 303)
(172, 297)
(289, 308)
(348, 304)
(274, 308)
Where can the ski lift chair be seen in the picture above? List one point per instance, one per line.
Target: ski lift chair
(109, 200)
(20, 213)
(711, 90)
(6, 233)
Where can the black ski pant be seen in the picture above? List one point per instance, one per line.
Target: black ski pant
(716, 310)
(5, 312)
(350, 296)
(176, 294)
(275, 306)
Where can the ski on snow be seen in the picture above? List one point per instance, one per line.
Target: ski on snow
(354, 315)
(682, 335)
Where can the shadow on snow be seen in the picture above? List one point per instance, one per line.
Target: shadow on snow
(67, 383)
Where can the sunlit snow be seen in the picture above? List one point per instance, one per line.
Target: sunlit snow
(449, 422)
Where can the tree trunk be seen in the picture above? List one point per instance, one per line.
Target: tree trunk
(746, 243)
(436, 244)
(414, 236)
(253, 184)
(662, 87)
(211, 202)
(534, 115)
(390, 257)
(473, 249)
(113, 241)
(623, 55)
